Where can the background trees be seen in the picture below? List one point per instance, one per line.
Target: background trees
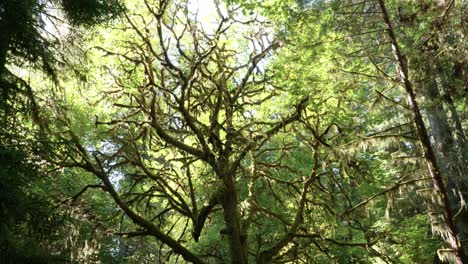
(366, 27)
(33, 38)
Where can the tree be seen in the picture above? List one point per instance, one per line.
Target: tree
(185, 110)
(266, 132)
(435, 171)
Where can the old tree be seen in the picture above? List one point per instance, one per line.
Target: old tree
(244, 131)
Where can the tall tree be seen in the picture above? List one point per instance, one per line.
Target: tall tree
(433, 167)
(190, 126)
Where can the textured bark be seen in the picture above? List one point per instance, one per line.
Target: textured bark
(444, 142)
(448, 87)
(461, 138)
(233, 230)
(199, 220)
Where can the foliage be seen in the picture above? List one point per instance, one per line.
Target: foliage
(24, 216)
(259, 131)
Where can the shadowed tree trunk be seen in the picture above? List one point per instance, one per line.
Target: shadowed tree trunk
(448, 152)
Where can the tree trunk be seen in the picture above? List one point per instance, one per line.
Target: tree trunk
(447, 153)
(235, 235)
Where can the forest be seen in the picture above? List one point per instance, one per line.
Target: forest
(233, 131)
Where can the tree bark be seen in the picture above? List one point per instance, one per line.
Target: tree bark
(447, 153)
(237, 240)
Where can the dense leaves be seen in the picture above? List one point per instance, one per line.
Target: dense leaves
(236, 131)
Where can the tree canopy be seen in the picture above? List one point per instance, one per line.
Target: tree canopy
(206, 131)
